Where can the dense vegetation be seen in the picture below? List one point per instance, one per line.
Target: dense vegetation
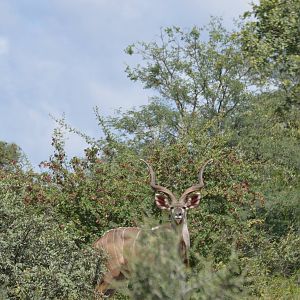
(233, 97)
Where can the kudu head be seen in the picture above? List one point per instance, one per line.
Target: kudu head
(165, 199)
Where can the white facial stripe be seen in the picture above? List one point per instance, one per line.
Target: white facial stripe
(155, 228)
(114, 243)
(122, 259)
(133, 246)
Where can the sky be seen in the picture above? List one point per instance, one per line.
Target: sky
(67, 56)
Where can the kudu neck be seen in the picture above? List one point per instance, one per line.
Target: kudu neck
(182, 232)
(179, 227)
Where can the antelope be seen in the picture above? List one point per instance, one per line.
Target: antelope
(120, 243)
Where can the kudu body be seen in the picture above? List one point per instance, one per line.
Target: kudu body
(120, 244)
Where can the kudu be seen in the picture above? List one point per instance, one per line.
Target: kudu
(120, 243)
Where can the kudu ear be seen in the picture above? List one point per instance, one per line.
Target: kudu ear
(161, 201)
(193, 200)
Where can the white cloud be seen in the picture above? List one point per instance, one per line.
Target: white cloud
(4, 45)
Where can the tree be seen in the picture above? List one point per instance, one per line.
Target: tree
(271, 41)
(9, 153)
(195, 78)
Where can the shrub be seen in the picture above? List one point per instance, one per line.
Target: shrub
(40, 258)
(158, 273)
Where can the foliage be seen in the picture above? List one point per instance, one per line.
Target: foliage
(271, 41)
(40, 257)
(9, 153)
(156, 121)
(197, 78)
(157, 273)
(278, 288)
(273, 270)
(92, 193)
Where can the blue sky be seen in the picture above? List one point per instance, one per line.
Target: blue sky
(67, 56)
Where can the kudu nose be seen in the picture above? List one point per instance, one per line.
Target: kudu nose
(178, 214)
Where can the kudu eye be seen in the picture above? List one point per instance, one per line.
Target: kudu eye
(172, 207)
(183, 207)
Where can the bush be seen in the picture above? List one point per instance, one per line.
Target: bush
(158, 273)
(41, 258)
